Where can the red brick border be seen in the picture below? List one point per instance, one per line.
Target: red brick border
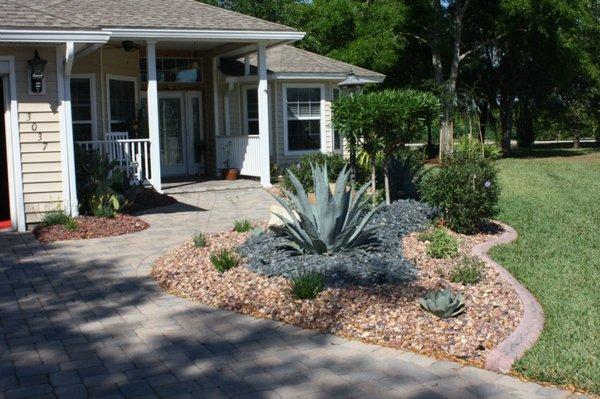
(529, 329)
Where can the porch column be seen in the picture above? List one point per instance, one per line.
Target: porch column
(263, 117)
(153, 126)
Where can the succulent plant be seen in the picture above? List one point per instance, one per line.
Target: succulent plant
(334, 223)
(443, 303)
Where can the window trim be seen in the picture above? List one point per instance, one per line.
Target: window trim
(200, 60)
(136, 86)
(245, 119)
(334, 150)
(93, 104)
(287, 86)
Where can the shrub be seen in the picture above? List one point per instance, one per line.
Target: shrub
(337, 224)
(466, 191)
(224, 260)
(307, 285)
(443, 303)
(303, 172)
(404, 169)
(200, 240)
(54, 218)
(104, 205)
(474, 149)
(468, 271)
(71, 224)
(441, 244)
(242, 226)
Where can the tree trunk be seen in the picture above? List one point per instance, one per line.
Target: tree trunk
(576, 141)
(507, 102)
(373, 174)
(386, 178)
(484, 117)
(525, 134)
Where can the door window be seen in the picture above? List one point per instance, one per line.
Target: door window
(81, 109)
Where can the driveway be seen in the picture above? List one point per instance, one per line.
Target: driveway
(85, 319)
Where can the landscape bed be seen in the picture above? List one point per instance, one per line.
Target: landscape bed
(91, 227)
(366, 305)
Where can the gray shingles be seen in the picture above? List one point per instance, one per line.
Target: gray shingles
(93, 14)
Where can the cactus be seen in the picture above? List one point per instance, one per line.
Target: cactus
(334, 223)
(443, 303)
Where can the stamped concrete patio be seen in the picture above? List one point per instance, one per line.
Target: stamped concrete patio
(85, 319)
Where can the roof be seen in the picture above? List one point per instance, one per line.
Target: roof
(143, 14)
(288, 59)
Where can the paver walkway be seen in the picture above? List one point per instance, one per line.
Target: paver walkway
(84, 319)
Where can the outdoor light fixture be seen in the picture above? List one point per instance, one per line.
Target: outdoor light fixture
(353, 84)
(128, 45)
(36, 67)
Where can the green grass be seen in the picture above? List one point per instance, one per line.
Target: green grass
(554, 203)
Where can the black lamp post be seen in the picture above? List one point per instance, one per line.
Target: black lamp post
(37, 66)
(353, 85)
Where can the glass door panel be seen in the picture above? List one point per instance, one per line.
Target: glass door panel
(195, 122)
(172, 133)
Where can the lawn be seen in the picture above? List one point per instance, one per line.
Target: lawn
(553, 200)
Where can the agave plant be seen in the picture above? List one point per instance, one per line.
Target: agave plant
(443, 303)
(334, 223)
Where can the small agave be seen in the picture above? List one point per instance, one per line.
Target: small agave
(443, 303)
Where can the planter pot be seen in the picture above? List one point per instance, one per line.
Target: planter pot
(230, 173)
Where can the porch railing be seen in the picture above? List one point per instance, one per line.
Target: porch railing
(131, 155)
(242, 152)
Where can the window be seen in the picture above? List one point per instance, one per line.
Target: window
(303, 118)
(82, 108)
(174, 70)
(251, 109)
(122, 94)
(337, 137)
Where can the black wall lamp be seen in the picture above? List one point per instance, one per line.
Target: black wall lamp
(36, 67)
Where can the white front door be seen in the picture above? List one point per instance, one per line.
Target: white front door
(181, 134)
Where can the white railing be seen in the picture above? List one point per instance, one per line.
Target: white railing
(131, 156)
(243, 153)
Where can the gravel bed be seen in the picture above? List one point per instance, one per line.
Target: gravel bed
(91, 227)
(386, 314)
(383, 263)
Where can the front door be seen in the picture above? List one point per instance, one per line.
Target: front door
(180, 125)
(4, 195)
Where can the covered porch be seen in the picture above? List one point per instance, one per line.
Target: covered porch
(150, 102)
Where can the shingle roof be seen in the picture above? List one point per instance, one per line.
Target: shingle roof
(95, 14)
(289, 59)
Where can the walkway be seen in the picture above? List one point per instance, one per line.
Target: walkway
(84, 319)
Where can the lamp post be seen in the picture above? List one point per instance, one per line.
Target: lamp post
(352, 85)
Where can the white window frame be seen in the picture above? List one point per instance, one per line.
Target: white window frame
(321, 87)
(94, 114)
(245, 118)
(334, 150)
(136, 86)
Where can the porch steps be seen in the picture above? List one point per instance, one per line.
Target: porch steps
(187, 187)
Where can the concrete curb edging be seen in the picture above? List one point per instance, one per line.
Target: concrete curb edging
(529, 329)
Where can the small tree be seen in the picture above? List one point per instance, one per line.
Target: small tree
(383, 122)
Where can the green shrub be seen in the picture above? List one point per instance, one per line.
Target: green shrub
(224, 260)
(441, 244)
(466, 191)
(468, 271)
(54, 218)
(338, 224)
(307, 285)
(472, 148)
(71, 224)
(200, 240)
(242, 226)
(104, 205)
(405, 168)
(302, 169)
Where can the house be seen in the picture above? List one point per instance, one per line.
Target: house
(166, 88)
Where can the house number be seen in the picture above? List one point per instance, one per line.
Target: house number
(28, 116)
(34, 126)
(39, 136)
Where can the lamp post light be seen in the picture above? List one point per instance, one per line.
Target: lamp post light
(353, 85)
(37, 66)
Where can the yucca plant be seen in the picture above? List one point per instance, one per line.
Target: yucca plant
(443, 303)
(334, 223)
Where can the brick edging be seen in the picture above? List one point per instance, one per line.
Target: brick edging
(529, 329)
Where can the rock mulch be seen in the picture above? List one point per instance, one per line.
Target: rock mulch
(91, 227)
(387, 314)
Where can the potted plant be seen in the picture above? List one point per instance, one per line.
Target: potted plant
(227, 172)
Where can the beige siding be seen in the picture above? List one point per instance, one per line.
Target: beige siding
(39, 134)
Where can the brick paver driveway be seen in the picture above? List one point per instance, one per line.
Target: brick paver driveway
(84, 319)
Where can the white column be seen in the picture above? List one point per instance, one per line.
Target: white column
(153, 126)
(263, 117)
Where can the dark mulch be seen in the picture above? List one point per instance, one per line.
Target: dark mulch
(91, 227)
(141, 199)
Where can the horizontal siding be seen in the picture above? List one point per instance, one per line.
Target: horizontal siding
(39, 127)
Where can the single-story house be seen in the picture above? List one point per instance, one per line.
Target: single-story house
(166, 88)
